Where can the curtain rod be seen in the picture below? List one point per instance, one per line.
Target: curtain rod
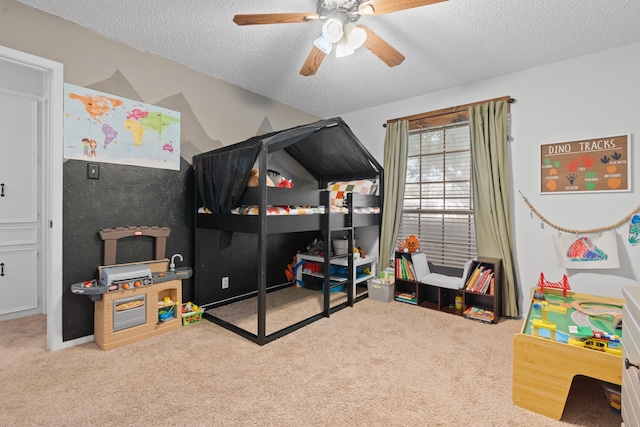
(449, 110)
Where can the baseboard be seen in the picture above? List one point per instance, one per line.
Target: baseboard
(77, 341)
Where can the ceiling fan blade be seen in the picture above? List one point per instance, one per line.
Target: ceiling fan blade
(381, 7)
(380, 48)
(274, 18)
(313, 62)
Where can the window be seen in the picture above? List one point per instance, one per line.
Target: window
(438, 200)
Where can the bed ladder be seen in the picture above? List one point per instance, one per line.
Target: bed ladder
(347, 231)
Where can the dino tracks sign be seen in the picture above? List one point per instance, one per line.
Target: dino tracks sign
(599, 164)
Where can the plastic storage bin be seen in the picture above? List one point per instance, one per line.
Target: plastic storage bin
(191, 317)
(380, 290)
(341, 246)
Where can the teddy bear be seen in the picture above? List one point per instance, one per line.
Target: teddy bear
(254, 179)
(410, 244)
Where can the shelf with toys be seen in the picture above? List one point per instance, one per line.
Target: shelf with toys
(448, 289)
(364, 268)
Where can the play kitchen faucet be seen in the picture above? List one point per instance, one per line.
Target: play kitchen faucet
(172, 266)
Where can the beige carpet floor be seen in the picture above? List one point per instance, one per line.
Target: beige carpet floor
(285, 307)
(373, 364)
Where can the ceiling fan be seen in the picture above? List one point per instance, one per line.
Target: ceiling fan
(339, 28)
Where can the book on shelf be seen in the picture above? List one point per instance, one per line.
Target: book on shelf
(483, 281)
(478, 313)
(474, 277)
(480, 279)
(487, 283)
(404, 269)
(406, 297)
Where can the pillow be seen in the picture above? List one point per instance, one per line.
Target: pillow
(467, 267)
(420, 265)
(339, 190)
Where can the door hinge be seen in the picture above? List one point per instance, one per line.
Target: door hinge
(50, 224)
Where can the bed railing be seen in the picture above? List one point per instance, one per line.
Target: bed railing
(282, 197)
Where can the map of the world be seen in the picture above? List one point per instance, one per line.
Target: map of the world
(99, 127)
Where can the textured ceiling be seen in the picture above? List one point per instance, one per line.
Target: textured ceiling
(446, 44)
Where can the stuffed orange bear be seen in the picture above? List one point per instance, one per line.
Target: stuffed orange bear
(254, 179)
(410, 244)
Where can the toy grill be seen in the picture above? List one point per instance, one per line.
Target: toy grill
(122, 277)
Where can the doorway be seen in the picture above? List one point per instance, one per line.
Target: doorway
(39, 82)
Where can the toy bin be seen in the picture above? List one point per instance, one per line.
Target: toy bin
(311, 267)
(341, 246)
(613, 393)
(191, 317)
(380, 290)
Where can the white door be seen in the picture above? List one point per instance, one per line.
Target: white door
(19, 207)
(31, 138)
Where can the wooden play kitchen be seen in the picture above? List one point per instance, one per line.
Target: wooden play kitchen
(137, 300)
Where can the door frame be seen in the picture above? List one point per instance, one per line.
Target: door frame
(50, 221)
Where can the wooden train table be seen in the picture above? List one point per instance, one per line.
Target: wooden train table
(544, 364)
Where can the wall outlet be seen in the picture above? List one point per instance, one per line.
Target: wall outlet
(225, 282)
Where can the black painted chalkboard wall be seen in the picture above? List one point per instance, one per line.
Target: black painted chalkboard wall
(123, 196)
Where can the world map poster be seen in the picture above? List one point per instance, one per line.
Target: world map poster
(99, 127)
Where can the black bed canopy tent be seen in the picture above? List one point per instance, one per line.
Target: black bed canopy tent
(327, 149)
(343, 158)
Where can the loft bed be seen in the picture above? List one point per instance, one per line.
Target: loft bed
(328, 152)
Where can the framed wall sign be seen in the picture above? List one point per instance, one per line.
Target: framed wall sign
(590, 165)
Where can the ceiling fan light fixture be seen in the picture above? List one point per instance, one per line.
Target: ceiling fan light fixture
(366, 9)
(355, 36)
(343, 49)
(332, 30)
(322, 44)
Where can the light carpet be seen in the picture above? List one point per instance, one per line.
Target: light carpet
(373, 364)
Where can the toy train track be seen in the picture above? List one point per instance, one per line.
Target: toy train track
(600, 308)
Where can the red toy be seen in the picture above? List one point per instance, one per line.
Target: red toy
(285, 183)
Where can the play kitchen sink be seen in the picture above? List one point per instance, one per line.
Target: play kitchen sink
(180, 273)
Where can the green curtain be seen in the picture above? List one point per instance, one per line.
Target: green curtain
(395, 174)
(491, 189)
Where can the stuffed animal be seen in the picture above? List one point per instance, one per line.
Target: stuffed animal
(254, 179)
(316, 248)
(288, 272)
(410, 244)
(285, 183)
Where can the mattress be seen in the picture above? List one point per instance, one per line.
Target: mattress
(298, 210)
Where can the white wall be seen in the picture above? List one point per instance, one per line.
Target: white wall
(593, 96)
